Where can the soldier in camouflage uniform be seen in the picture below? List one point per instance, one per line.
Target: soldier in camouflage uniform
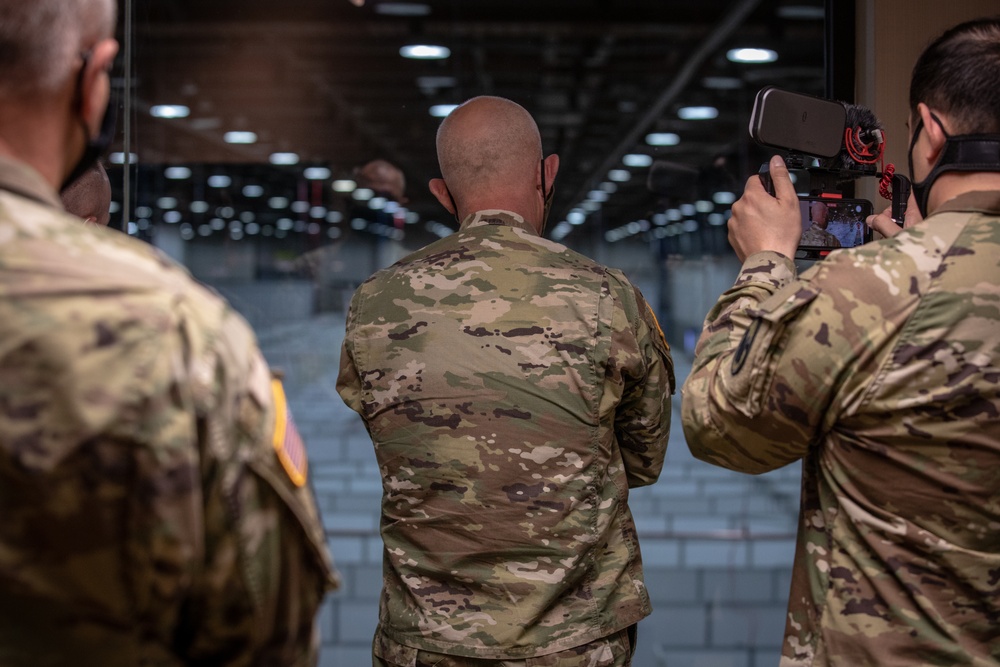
(514, 391)
(817, 234)
(879, 367)
(152, 489)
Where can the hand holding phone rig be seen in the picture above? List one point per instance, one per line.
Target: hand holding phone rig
(834, 143)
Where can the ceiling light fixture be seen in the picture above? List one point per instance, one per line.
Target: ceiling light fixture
(752, 55)
(240, 137)
(442, 110)
(177, 173)
(662, 139)
(637, 160)
(283, 158)
(697, 113)
(169, 111)
(425, 52)
(316, 173)
(343, 185)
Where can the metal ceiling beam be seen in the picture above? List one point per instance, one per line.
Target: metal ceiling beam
(732, 20)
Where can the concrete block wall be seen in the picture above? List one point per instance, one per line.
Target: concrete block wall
(717, 546)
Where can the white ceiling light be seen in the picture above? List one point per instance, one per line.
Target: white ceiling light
(442, 110)
(597, 195)
(637, 160)
(278, 202)
(343, 185)
(199, 206)
(724, 198)
(662, 139)
(166, 202)
(751, 55)
(316, 173)
(240, 137)
(697, 113)
(576, 217)
(177, 173)
(119, 158)
(253, 190)
(704, 206)
(169, 111)
(219, 181)
(363, 194)
(425, 52)
(619, 175)
(283, 158)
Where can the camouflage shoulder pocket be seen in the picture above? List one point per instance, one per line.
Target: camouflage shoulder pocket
(747, 379)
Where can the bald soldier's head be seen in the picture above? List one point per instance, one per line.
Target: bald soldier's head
(89, 196)
(490, 154)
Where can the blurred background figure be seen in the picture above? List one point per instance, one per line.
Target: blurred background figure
(384, 178)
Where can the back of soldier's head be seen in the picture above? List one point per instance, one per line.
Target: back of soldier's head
(488, 145)
(40, 41)
(89, 196)
(958, 74)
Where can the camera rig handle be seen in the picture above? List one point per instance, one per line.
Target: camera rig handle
(900, 197)
(792, 161)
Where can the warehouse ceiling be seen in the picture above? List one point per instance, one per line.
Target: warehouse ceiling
(322, 84)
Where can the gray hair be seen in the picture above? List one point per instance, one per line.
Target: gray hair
(40, 41)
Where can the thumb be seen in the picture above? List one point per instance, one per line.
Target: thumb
(783, 188)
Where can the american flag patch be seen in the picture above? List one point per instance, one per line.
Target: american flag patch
(287, 442)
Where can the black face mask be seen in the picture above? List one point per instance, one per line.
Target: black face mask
(97, 146)
(967, 152)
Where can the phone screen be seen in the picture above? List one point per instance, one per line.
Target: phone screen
(834, 223)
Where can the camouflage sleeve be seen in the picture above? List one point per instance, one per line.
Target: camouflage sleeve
(266, 568)
(724, 396)
(642, 420)
(772, 358)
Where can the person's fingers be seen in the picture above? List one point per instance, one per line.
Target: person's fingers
(784, 190)
(883, 223)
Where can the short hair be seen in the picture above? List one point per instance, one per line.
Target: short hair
(958, 74)
(40, 41)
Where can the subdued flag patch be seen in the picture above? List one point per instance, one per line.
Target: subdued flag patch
(287, 442)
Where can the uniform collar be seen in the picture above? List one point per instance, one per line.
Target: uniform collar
(21, 179)
(497, 217)
(982, 201)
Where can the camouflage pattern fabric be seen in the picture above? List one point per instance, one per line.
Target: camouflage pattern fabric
(817, 236)
(880, 368)
(146, 517)
(514, 390)
(613, 651)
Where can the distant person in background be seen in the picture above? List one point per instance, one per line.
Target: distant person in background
(89, 196)
(154, 505)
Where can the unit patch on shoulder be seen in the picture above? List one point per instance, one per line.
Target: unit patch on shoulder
(287, 442)
(656, 323)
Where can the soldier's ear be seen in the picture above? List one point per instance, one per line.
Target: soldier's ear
(440, 191)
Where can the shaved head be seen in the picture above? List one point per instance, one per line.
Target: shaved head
(488, 145)
(89, 196)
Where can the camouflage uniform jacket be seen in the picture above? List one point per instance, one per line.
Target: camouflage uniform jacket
(880, 369)
(146, 517)
(514, 390)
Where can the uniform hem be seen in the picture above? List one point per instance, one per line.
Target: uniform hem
(497, 653)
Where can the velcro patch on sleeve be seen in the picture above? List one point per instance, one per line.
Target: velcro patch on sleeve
(287, 442)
